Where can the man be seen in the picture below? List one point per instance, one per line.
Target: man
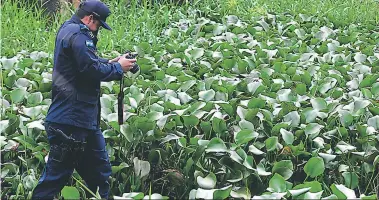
(72, 122)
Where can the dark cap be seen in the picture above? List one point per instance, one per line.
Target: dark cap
(99, 10)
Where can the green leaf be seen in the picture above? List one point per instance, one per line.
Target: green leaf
(116, 169)
(227, 108)
(301, 89)
(196, 53)
(187, 85)
(126, 132)
(351, 179)
(312, 130)
(70, 193)
(241, 192)
(256, 103)
(18, 95)
(342, 192)
(228, 63)
(374, 122)
(277, 183)
(346, 118)
(34, 98)
(311, 195)
(219, 125)
(222, 193)
(207, 95)
(287, 136)
(297, 192)
(314, 167)
(190, 120)
(369, 80)
(314, 185)
(208, 182)
(284, 168)
(318, 104)
(244, 136)
(271, 143)
(141, 168)
(216, 145)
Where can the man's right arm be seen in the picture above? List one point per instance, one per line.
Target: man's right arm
(90, 64)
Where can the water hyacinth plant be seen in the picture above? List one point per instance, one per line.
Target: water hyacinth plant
(233, 100)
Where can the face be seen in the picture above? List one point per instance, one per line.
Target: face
(92, 23)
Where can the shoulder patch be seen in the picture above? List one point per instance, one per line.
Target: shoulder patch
(89, 43)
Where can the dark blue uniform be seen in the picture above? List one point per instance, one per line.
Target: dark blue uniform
(75, 110)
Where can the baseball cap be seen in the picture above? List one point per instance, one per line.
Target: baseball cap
(98, 9)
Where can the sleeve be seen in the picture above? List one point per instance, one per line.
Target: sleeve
(103, 60)
(92, 65)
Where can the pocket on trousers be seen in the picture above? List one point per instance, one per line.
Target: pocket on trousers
(57, 153)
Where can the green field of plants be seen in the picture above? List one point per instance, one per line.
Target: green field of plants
(252, 99)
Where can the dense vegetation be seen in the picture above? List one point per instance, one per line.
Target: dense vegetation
(242, 99)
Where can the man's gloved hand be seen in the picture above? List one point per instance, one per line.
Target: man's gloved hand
(125, 63)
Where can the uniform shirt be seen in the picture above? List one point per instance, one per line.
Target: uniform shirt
(77, 74)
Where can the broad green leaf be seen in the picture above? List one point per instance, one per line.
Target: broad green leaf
(222, 193)
(261, 170)
(287, 136)
(314, 185)
(241, 192)
(219, 125)
(18, 95)
(207, 95)
(216, 145)
(236, 176)
(333, 196)
(208, 182)
(255, 150)
(345, 147)
(374, 122)
(312, 130)
(318, 104)
(187, 85)
(204, 194)
(190, 120)
(126, 132)
(256, 103)
(293, 117)
(141, 168)
(154, 196)
(314, 167)
(244, 136)
(34, 98)
(346, 118)
(196, 53)
(70, 193)
(342, 192)
(277, 183)
(246, 125)
(116, 169)
(311, 195)
(298, 192)
(284, 168)
(351, 179)
(271, 143)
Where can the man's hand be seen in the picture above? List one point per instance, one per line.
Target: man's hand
(126, 64)
(114, 59)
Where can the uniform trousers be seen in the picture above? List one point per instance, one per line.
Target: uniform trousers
(91, 162)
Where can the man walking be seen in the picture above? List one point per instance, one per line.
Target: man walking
(72, 122)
